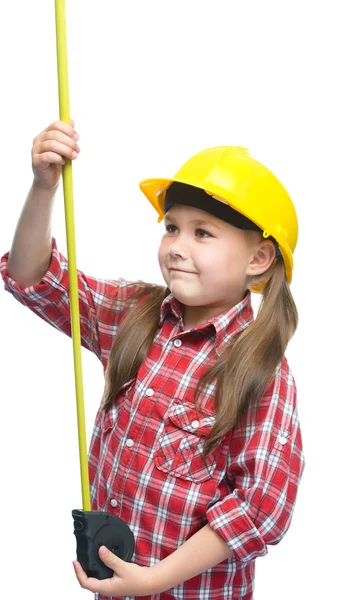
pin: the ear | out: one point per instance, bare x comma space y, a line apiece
262, 259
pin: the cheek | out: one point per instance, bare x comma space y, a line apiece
160, 259
224, 270
162, 252
214, 265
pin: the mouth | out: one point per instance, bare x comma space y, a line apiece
181, 271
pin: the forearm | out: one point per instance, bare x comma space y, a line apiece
30, 252
203, 550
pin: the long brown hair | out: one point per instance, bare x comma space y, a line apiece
242, 372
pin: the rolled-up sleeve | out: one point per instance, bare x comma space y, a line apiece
267, 465
102, 302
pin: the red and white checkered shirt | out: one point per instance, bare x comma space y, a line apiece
145, 459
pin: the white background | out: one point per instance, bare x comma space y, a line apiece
152, 83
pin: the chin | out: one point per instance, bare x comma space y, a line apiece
186, 297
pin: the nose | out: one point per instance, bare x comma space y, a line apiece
178, 249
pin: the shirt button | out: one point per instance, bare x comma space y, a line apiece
114, 503
282, 440
195, 424
178, 343
149, 392
129, 443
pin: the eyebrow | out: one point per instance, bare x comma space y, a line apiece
194, 221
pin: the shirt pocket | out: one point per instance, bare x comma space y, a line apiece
179, 448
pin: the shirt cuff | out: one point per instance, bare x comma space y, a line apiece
51, 286
232, 523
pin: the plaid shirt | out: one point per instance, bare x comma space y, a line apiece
145, 459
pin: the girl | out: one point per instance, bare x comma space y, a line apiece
197, 443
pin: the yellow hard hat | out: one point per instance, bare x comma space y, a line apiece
230, 174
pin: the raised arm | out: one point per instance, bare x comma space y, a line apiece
31, 248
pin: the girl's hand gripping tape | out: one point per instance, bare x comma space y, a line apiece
94, 529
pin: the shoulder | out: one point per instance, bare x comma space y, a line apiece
273, 418
283, 379
279, 403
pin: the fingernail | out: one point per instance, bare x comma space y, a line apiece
103, 551
76, 137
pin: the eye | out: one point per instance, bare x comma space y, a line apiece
202, 233
170, 228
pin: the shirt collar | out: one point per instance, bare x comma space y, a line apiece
170, 305
225, 325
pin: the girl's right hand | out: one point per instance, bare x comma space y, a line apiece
55, 143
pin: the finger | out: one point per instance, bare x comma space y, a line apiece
56, 145
59, 137
42, 161
111, 560
61, 126
57, 148
80, 573
72, 122
102, 586
54, 129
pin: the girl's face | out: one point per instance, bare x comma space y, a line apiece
205, 261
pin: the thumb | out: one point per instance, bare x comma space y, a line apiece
109, 559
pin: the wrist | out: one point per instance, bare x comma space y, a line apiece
41, 194
156, 582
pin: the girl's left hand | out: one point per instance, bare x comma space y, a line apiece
128, 579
